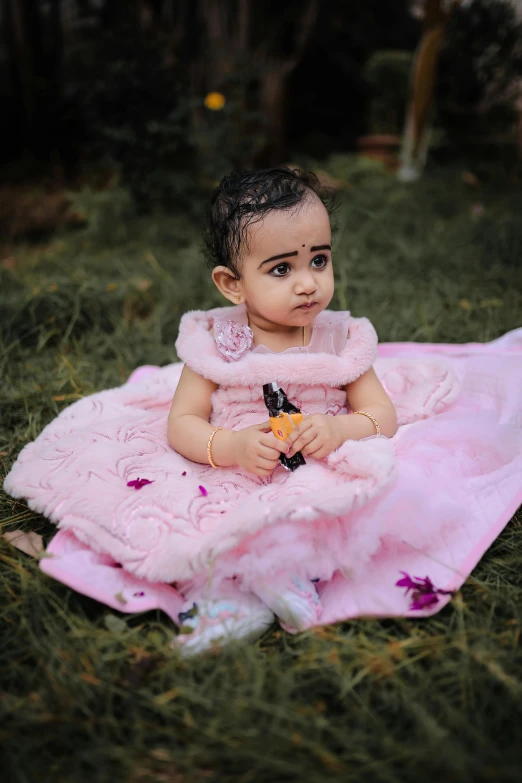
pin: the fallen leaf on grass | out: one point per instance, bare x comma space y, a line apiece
114, 624
161, 754
396, 650
90, 678
164, 698
30, 543
380, 665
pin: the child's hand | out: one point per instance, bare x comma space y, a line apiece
257, 450
317, 436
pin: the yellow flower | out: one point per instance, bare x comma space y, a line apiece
215, 101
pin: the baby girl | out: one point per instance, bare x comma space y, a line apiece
269, 239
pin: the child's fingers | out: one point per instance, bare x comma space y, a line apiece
264, 467
269, 452
317, 451
271, 442
311, 447
301, 442
266, 464
263, 427
305, 425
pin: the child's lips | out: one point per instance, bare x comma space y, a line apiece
307, 306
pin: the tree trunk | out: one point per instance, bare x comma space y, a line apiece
420, 108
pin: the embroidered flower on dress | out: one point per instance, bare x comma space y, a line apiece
232, 340
424, 593
138, 483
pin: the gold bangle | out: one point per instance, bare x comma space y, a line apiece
209, 446
372, 419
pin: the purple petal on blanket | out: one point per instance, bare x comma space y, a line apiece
423, 600
139, 483
203, 491
406, 582
184, 473
425, 585
416, 583
424, 593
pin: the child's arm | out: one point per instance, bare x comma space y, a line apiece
188, 425
254, 448
318, 435
367, 394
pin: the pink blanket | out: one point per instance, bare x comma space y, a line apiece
455, 482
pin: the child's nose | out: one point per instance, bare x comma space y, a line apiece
305, 283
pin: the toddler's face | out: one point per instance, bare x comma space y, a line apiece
287, 275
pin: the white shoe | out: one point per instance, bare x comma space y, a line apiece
207, 623
298, 606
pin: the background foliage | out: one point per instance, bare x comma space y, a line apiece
480, 72
124, 84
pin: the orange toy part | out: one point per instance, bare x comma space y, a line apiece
283, 424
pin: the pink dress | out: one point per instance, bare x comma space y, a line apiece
255, 528
428, 501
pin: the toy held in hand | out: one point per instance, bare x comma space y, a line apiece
284, 417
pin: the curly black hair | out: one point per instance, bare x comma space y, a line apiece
245, 197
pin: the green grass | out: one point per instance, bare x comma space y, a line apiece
85, 698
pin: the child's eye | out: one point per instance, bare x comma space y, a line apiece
319, 262
280, 270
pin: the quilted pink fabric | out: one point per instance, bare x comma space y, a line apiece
429, 501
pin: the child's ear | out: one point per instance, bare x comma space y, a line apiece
228, 284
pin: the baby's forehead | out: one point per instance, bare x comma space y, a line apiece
307, 222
